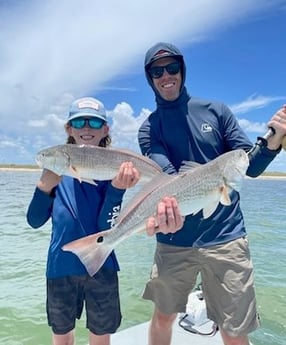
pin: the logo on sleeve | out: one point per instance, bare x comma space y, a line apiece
113, 215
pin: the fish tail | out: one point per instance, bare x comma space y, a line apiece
91, 250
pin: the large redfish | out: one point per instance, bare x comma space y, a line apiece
197, 188
88, 163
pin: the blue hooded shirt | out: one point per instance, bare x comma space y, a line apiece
199, 130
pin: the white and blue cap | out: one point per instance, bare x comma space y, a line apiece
87, 107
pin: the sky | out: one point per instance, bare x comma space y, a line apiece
54, 51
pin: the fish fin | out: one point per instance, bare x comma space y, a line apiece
188, 165
89, 181
91, 251
225, 199
236, 185
208, 211
75, 173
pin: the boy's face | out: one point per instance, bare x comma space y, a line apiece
88, 135
168, 85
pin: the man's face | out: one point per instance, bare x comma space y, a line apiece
168, 85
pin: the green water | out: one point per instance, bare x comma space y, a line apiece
23, 259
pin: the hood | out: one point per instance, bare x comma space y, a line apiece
161, 50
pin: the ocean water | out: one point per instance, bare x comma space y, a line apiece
23, 259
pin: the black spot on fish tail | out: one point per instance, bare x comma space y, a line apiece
100, 239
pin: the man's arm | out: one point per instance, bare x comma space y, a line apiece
151, 146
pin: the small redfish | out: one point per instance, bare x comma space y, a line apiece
88, 163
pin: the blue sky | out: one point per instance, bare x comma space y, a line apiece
55, 51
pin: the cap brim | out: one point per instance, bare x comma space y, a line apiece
158, 57
81, 114
161, 56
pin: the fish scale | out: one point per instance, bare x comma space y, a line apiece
195, 189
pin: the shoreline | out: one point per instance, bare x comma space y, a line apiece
27, 169
268, 177
19, 169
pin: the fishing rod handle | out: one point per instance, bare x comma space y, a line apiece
269, 133
261, 142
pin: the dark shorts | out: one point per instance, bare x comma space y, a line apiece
66, 297
227, 280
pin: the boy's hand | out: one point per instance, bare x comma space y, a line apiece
127, 176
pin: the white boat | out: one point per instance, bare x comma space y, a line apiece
192, 327
138, 335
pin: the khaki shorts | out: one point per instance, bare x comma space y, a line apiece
227, 282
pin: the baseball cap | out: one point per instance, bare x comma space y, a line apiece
162, 54
87, 106
162, 50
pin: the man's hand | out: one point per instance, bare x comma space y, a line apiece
168, 218
278, 122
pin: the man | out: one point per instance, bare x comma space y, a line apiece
187, 128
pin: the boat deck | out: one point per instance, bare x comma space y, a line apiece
138, 335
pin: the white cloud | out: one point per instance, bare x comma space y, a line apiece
252, 127
73, 45
255, 102
252, 103
125, 124
7, 143
54, 51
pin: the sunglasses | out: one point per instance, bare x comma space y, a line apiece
80, 122
172, 68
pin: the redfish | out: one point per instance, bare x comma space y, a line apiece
88, 163
196, 188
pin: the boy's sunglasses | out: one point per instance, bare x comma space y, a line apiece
157, 71
80, 122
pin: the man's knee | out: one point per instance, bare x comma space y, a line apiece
164, 320
230, 340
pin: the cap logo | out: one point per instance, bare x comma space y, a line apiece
88, 104
162, 53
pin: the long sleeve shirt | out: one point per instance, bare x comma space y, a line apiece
194, 129
76, 210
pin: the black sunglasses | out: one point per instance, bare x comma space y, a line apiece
93, 122
157, 71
